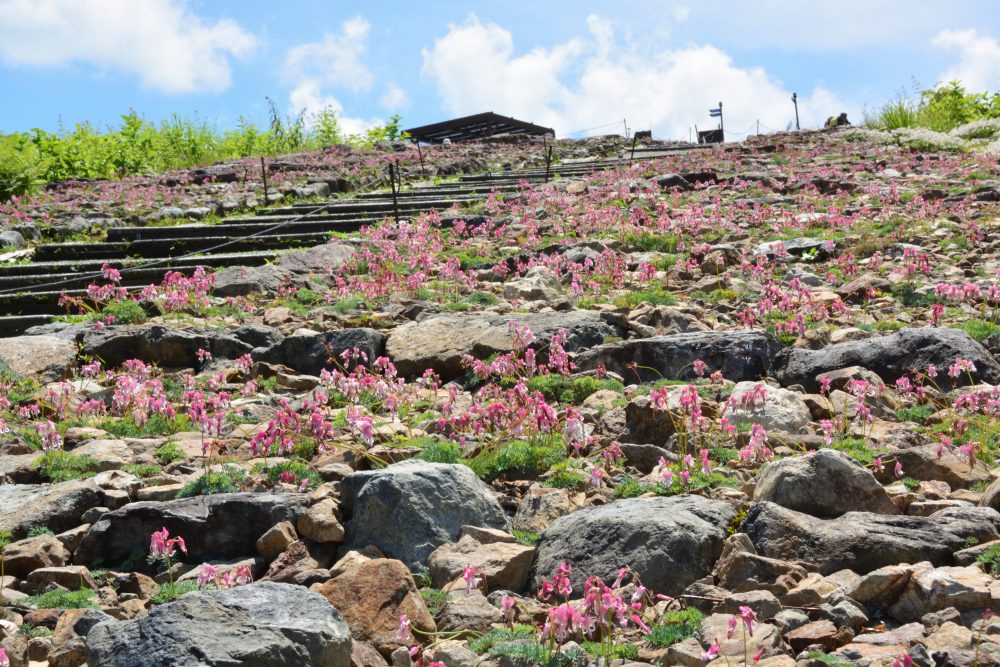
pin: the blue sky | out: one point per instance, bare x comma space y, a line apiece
571, 65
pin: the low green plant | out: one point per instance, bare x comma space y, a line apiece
518, 457
169, 452
556, 387
60, 599
440, 451
519, 632
676, 626
299, 468
630, 487
227, 480
169, 591
915, 413
527, 538
611, 652
566, 478
910, 483
434, 599
830, 660
154, 425
990, 558
125, 311
654, 296
39, 531
60, 466
979, 330
31, 631
142, 469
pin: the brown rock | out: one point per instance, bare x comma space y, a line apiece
136, 583
372, 597
365, 655
70, 577
504, 565
539, 507
291, 562
24, 556
46, 358
321, 522
278, 538
468, 612
818, 632
744, 571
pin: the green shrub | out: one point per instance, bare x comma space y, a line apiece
526, 538
611, 652
125, 311
630, 487
485, 642
676, 626
915, 413
297, 467
155, 424
434, 599
980, 330
19, 166
171, 590
38, 531
654, 296
556, 387
566, 478
142, 469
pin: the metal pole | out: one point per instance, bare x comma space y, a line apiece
420, 152
548, 163
758, 127
795, 101
632, 156
392, 184
722, 123
263, 174
625, 125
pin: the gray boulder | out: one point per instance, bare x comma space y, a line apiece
215, 527
670, 542
261, 625
244, 280
311, 353
318, 260
824, 484
409, 509
47, 358
58, 507
158, 344
740, 355
441, 341
891, 357
863, 541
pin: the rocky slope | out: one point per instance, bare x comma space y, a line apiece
726, 407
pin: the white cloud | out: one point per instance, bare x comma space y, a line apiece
394, 98
308, 98
592, 80
978, 67
170, 48
336, 60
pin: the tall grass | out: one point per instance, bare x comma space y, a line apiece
138, 146
941, 109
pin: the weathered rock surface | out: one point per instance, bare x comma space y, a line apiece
317, 260
669, 541
311, 353
57, 507
166, 346
740, 355
504, 565
441, 341
825, 484
49, 358
891, 357
409, 509
862, 541
264, 624
779, 410
24, 556
244, 280
221, 526
373, 596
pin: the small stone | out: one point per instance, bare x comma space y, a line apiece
276, 539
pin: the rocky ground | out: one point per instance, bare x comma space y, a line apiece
731, 406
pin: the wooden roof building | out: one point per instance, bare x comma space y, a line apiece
476, 126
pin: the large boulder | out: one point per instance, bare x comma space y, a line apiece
264, 624
740, 355
21, 558
311, 353
670, 542
48, 357
824, 484
373, 595
317, 260
411, 508
863, 541
57, 507
216, 527
244, 280
780, 410
923, 463
891, 357
441, 341
166, 346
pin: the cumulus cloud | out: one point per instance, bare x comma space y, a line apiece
394, 98
593, 80
163, 42
336, 61
979, 58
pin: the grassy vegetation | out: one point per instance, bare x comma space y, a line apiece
518, 457
560, 388
59, 599
171, 590
940, 109
60, 466
139, 146
676, 626
227, 480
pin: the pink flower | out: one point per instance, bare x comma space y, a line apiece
711, 654
403, 635
507, 604
759, 654
162, 547
469, 573
4, 660
898, 469
206, 574
749, 617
